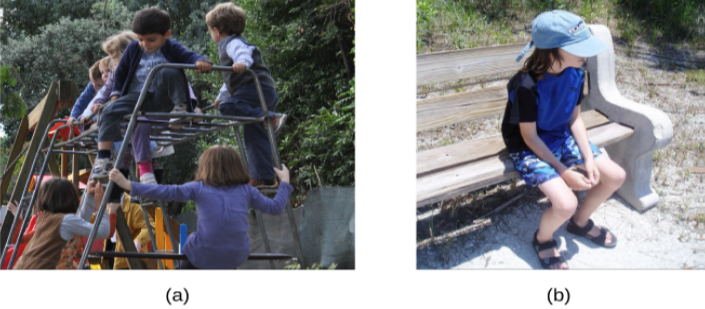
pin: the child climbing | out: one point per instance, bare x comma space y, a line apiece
96, 84
222, 197
238, 95
546, 136
57, 200
168, 92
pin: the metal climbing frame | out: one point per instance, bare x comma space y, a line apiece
164, 137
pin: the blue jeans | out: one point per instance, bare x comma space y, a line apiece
245, 103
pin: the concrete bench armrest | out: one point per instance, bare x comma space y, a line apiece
653, 129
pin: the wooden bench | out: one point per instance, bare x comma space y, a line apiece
629, 132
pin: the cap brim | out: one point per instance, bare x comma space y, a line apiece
587, 48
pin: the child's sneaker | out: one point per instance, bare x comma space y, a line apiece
278, 122
101, 168
149, 179
178, 109
264, 184
163, 151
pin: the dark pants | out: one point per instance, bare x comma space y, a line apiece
245, 102
168, 91
185, 264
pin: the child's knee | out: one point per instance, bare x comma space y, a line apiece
615, 177
565, 206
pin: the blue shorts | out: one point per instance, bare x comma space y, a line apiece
535, 171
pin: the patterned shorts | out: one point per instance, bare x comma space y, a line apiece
536, 171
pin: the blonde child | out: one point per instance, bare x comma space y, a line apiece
222, 197
546, 136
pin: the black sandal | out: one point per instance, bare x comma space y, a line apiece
547, 262
599, 240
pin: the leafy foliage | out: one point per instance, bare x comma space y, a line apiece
325, 145
308, 45
22, 17
62, 50
11, 105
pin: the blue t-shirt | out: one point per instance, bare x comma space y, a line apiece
558, 97
550, 103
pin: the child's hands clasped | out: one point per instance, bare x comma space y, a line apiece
592, 172
120, 180
576, 181
283, 173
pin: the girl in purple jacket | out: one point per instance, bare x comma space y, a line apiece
223, 195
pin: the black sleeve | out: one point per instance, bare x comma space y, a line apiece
584, 88
526, 102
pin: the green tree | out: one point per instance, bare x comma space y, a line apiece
62, 50
22, 17
308, 45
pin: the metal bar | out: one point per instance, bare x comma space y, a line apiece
174, 256
85, 152
12, 164
25, 221
153, 240
258, 215
204, 116
277, 163
126, 239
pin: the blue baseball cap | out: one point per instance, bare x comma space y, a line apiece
561, 29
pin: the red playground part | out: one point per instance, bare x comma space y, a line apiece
22, 246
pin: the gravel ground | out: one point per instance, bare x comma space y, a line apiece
670, 235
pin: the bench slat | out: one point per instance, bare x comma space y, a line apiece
475, 175
453, 65
460, 153
446, 110
459, 107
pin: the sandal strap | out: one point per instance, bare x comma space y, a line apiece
600, 239
581, 231
540, 246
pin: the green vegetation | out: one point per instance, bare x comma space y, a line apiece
447, 25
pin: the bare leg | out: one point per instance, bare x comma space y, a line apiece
611, 178
563, 205
105, 145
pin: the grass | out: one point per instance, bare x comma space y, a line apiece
448, 25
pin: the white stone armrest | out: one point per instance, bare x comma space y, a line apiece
652, 128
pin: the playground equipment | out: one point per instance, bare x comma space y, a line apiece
86, 144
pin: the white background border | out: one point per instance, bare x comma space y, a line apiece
386, 275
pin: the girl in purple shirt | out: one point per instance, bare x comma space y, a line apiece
223, 195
